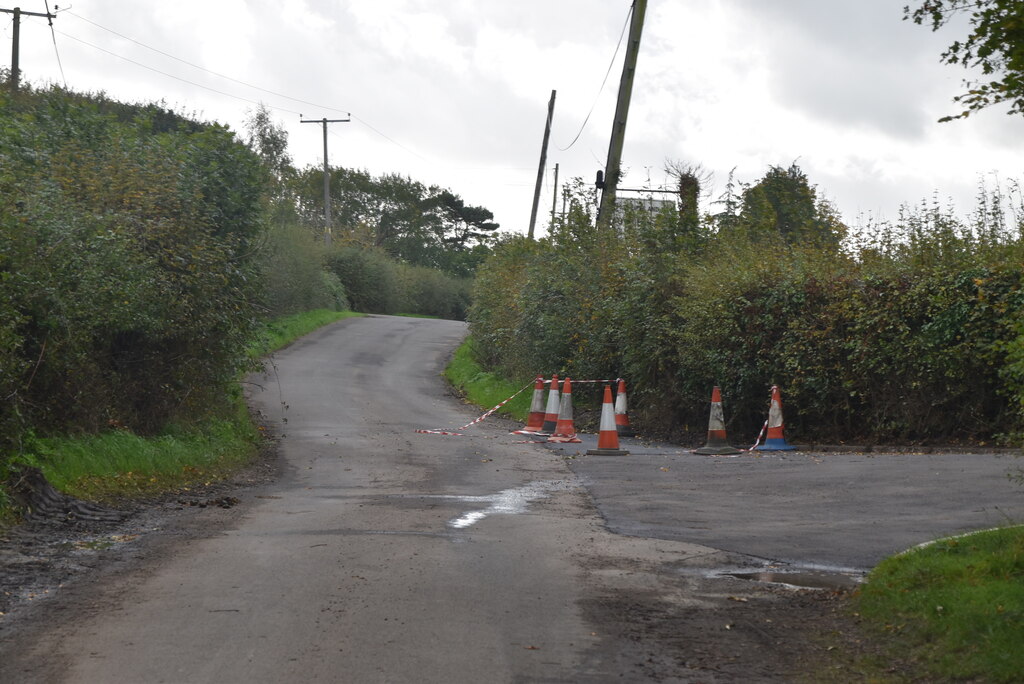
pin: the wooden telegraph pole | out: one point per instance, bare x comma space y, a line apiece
612, 169
554, 198
327, 175
16, 41
543, 161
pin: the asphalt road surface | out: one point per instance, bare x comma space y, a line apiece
833, 511
384, 555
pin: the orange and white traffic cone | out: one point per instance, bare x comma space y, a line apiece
776, 439
621, 412
565, 431
551, 411
718, 444
535, 422
608, 437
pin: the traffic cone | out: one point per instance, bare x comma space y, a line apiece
535, 422
608, 437
717, 442
551, 412
776, 440
565, 431
621, 414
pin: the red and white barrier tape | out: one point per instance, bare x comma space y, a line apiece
458, 431
583, 382
766, 420
759, 436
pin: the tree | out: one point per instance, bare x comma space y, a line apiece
784, 202
995, 44
269, 140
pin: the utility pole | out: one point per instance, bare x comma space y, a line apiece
543, 161
327, 175
554, 198
16, 41
606, 211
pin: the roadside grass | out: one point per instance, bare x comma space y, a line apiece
953, 609
118, 464
483, 388
284, 330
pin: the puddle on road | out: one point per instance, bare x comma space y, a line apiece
507, 502
803, 578
793, 576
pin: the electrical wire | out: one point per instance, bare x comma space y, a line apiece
176, 78
49, 19
605, 81
393, 142
234, 80
201, 68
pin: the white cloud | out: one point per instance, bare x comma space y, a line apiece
848, 89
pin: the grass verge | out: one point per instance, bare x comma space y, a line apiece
953, 609
286, 329
483, 388
118, 464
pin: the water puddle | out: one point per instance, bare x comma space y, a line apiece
507, 502
808, 576
800, 578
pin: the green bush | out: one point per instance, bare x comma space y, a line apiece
376, 283
294, 274
128, 237
369, 277
910, 332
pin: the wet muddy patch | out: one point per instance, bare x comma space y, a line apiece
805, 576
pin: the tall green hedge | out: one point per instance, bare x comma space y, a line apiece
909, 334
128, 271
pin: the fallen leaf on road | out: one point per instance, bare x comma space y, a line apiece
532, 648
738, 598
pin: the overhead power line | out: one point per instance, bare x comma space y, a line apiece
603, 82
225, 77
209, 71
49, 19
176, 78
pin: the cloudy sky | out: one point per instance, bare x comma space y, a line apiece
455, 92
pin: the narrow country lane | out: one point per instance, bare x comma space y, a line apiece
381, 555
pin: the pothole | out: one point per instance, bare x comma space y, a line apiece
802, 579
822, 577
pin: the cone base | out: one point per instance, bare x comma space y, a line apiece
607, 452
565, 439
717, 451
775, 445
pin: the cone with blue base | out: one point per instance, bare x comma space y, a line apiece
608, 437
622, 412
776, 439
718, 443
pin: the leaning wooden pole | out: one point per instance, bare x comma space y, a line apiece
612, 168
543, 161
